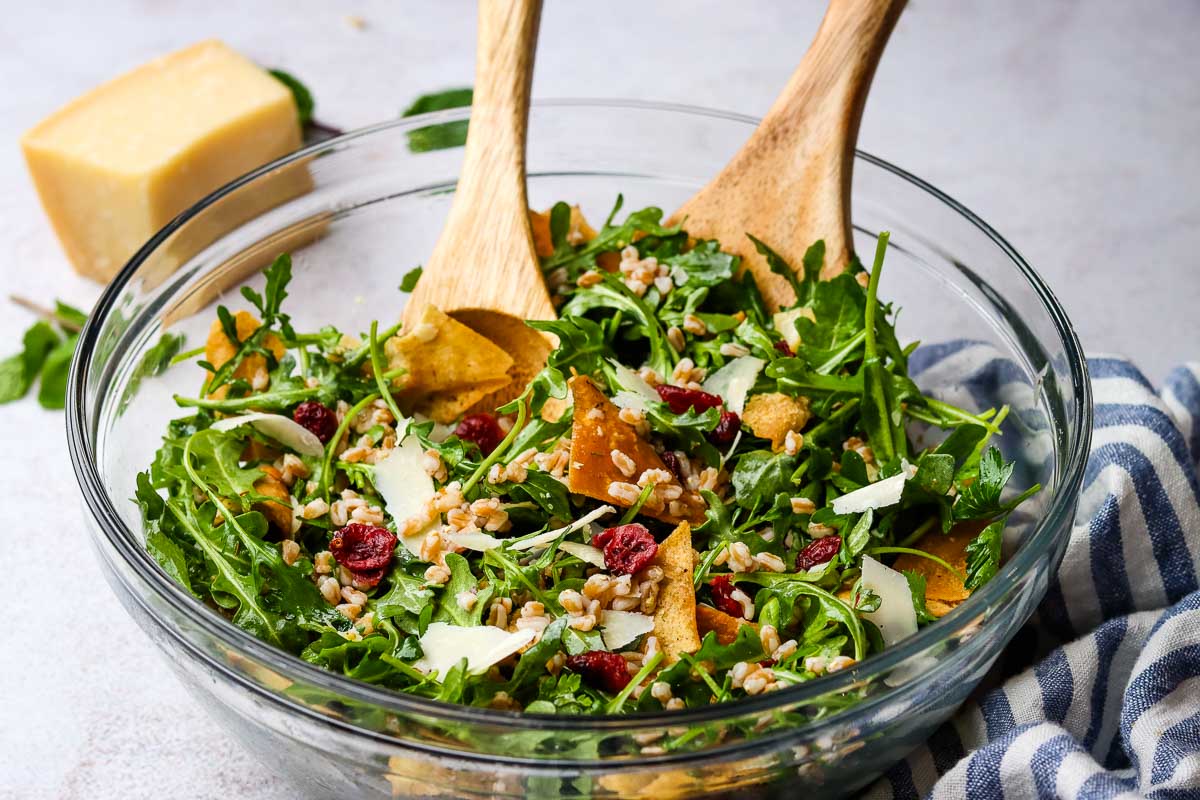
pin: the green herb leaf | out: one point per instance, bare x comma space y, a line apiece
983, 555
300, 93
446, 134
760, 476
409, 281
52, 393
981, 498
18, 372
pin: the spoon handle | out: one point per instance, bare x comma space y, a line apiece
484, 259
508, 32
822, 105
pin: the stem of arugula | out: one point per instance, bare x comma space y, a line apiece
181, 357
913, 552
384, 390
498, 453
327, 464
614, 705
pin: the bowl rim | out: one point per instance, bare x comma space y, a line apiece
124, 540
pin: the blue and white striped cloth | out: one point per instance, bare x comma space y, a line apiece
1112, 708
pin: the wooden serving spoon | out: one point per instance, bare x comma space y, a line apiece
484, 271
789, 185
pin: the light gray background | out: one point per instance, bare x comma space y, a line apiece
1073, 127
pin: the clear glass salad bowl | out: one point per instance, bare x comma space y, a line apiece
357, 212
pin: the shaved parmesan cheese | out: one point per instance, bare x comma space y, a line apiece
896, 617
785, 324
619, 628
405, 487
584, 552
635, 393
880, 494
632, 382
633, 400
734, 381
444, 645
280, 428
543, 540
481, 542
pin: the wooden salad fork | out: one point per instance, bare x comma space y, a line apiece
484, 271
789, 185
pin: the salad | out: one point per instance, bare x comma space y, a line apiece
694, 501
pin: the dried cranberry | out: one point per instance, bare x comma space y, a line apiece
726, 430
680, 400
818, 551
363, 549
482, 429
601, 669
367, 579
627, 548
767, 662
672, 462
317, 418
722, 593
784, 348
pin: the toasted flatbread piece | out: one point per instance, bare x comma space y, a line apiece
672, 785
596, 431
773, 414
219, 349
725, 625
543, 243
675, 617
943, 590
447, 406
449, 367
279, 514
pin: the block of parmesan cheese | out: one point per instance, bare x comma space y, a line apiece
114, 166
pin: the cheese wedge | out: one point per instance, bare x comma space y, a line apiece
114, 166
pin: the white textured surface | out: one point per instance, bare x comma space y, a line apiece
1071, 127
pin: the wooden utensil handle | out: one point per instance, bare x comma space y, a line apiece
836, 72
500, 105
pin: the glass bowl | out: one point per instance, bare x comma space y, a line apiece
357, 212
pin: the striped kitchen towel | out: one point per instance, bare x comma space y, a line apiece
1112, 708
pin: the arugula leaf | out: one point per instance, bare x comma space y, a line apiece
407, 594
461, 580
859, 536
214, 457
962, 441
704, 265
444, 135
760, 476
532, 664
300, 93
646, 222
409, 281
981, 498
611, 294
983, 555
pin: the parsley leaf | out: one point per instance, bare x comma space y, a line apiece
981, 498
983, 555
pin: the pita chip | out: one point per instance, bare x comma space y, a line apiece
597, 430
675, 616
